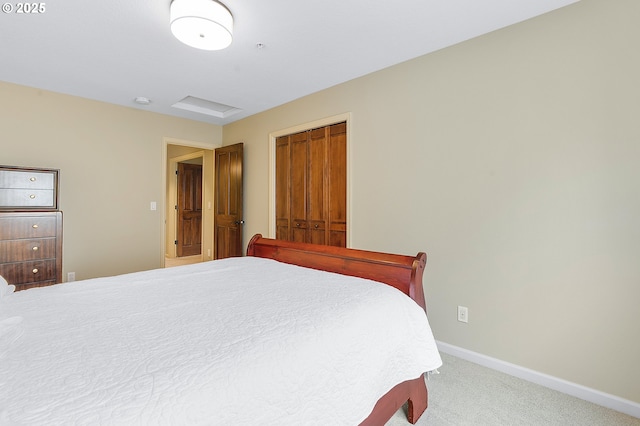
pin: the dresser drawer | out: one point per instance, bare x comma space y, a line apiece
36, 284
28, 188
30, 179
27, 226
21, 250
29, 272
27, 198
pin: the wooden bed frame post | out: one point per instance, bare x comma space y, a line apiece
412, 392
402, 272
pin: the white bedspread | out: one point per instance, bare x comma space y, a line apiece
240, 341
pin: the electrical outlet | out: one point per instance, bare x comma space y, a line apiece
71, 276
463, 314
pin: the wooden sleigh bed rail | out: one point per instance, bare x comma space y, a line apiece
402, 272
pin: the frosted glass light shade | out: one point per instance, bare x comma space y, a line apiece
203, 24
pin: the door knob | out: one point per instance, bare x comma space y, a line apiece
239, 222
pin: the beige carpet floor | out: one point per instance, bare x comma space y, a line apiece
465, 393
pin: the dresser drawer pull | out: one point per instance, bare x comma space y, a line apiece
35, 226
32, 196
35, 270
32, 179
34, 248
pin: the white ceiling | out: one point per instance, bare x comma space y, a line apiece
116, 50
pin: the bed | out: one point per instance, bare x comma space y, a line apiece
289, 334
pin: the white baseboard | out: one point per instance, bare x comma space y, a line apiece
592, 395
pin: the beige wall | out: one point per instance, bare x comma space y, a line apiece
111, 168
513, 160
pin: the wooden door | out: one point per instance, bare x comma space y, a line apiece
228, 201
316, 187
298, 187
337, 185
283, 185
311, 186
189, 241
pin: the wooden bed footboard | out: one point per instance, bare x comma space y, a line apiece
402, 272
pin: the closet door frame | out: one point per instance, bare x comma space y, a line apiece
346, 117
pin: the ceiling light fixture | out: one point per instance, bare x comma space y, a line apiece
203, 24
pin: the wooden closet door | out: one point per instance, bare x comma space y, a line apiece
316, 186
337, 185
298, 190
311, 186
283, 168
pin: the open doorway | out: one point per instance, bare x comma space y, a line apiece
188, 227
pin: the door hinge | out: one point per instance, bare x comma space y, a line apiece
176, 207
175, 242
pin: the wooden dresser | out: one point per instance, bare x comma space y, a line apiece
30, 227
